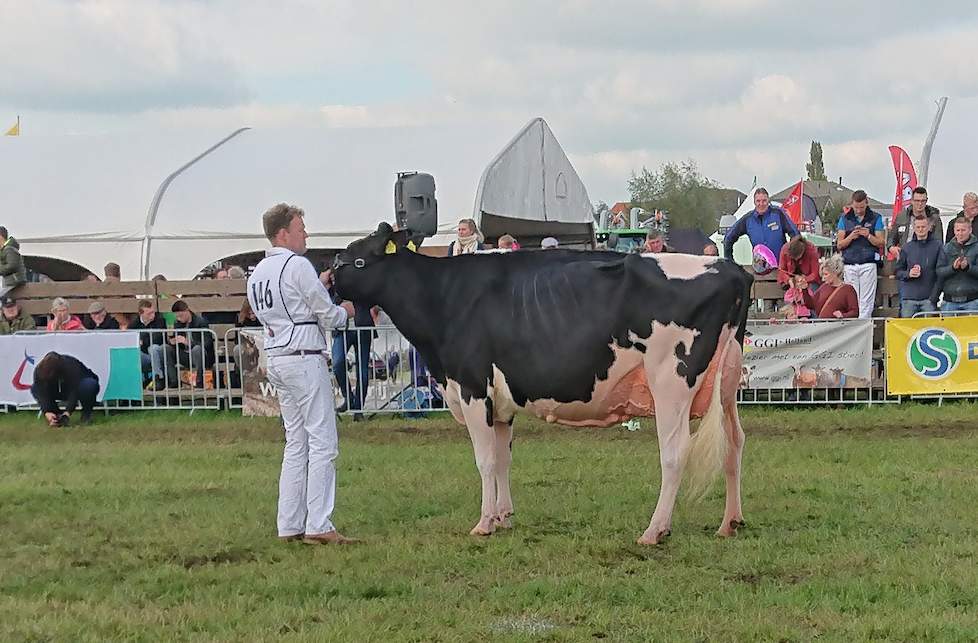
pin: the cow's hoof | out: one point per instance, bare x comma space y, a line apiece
485, 527
729, 528
653, 538
503, 521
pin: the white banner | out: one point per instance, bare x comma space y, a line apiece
817, 354
113, 356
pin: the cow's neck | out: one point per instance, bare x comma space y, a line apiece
412, 297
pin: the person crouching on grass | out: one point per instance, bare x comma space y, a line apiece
63, 377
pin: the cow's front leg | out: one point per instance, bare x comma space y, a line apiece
484, 444
504, 457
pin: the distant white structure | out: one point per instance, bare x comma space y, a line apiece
173, 202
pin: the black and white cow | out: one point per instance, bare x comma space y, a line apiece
578, 338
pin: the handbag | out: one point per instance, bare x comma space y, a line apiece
829, 300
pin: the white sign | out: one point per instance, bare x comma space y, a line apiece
20, 353
816, 354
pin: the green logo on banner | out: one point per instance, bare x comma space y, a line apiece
934, 353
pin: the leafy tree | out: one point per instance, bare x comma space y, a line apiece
691, 199
816, 169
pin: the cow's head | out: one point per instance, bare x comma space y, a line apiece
356, 268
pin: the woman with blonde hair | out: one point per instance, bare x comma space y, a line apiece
834, 298
469, 239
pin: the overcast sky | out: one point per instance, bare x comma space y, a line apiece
741, 86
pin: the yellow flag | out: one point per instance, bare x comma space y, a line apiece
15, 130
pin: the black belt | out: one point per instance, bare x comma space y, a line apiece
294, 353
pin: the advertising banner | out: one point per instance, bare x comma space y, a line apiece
259, 396
818, 354
114, 357
932, 355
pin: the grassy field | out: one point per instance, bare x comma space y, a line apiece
862, 524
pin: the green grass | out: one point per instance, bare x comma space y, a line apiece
861, 525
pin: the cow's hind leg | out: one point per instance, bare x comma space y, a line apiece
484, 444
733, 365
672, 426
733, 516
504, 457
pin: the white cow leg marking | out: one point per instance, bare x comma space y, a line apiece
672, 406
504, 457
484, 444
733, 516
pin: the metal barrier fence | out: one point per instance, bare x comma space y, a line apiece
174, 377
374, 369
394, 378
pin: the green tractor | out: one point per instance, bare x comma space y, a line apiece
625, 232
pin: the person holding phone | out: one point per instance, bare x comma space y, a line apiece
861, 237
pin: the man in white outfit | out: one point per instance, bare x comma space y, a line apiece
861, 238
298, 315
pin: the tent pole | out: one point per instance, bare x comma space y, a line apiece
154, 206
924, 163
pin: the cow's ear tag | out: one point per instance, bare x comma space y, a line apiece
410, 246
390, 248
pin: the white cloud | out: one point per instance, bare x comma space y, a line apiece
742, 86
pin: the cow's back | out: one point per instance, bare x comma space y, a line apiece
557, 323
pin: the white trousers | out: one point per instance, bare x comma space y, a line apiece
307, 486
862, 277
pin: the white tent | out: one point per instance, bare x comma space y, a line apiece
173, 203
83, 199
531, 190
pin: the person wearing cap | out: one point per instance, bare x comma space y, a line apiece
99, 319
14, 318
549, 243
61, 318
63, 377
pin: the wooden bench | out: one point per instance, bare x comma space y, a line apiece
120, 298
203, 295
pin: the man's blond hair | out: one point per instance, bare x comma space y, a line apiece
969, 197
279, 217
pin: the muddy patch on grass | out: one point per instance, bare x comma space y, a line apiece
224, 557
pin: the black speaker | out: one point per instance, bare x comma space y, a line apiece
415, 205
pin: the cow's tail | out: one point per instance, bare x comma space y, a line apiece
708, 446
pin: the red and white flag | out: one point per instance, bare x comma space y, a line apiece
792, 204
906, 180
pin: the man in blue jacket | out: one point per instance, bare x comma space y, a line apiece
764, 225
861, 238
917, 270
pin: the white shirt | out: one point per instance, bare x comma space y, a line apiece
292, 304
